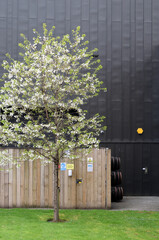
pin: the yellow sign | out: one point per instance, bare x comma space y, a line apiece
140, 131
70, 166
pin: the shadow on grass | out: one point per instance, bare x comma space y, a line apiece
52, 220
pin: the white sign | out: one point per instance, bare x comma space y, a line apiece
89, 160
90, 167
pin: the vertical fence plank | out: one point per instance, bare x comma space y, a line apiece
30, 183
14, 173
22, 184
79, 185
73, 188
69, 191
18, 182
34, 183
42, 186
103, 159
99, 180
46, 184
50, 202
59, 180
2, 187
92, 203
52, 184
84, 182
38, 182
14, 192
95, 171
65, 200
6, 188
61, 197
10, 183
26, 183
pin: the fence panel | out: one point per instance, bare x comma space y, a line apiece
31, 185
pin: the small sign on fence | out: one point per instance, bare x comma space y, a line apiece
70, 166
90, 167
89, 160
63, 166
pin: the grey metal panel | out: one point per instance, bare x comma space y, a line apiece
3, 8
126, 31
137, 169
148, 120
146, 163
9, 34
50, 22
116, 61
85, 28
14, 8
3, 43
93, 24
102, 10
32, 25
139, 96
109, 68
75, 13
60, 17
116, 120
147, 41
154, 164
68, 26
41, 14
3, 36
93, 38
68, 9
10, 8
50, 9
85, 10
23, 9
22, 27
116, 86
155, 104
139, 30
33, 8
155, 27
126, 35
102, 41
148, 10
116, 10
126, 114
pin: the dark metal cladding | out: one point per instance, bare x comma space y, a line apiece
126, 32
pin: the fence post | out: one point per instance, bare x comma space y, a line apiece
108, 179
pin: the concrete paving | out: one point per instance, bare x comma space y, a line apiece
137, 203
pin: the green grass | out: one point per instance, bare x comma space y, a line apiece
29, 224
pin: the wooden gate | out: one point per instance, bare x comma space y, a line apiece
31, 185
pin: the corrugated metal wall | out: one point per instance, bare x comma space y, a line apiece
126, 33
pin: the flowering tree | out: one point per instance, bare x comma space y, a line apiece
42, 100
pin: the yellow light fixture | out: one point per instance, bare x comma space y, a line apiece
140, 131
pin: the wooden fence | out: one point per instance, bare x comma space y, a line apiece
31, 185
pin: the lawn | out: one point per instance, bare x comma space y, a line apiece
30, 224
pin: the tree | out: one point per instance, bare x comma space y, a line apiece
43, 98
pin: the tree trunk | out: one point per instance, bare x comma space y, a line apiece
56, 193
